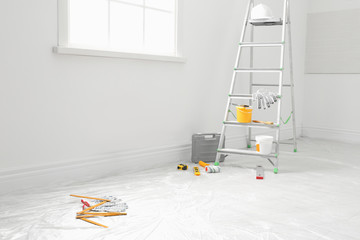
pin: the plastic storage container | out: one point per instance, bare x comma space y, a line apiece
204, 146
244, 114
264, 144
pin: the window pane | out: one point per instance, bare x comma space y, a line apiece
88, 22
168, 5
159, 32
126, 27
139, 2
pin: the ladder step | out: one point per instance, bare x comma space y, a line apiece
253, 140
270, 44
258, 70
241, 96
255, 125
270, 22
269, 85
246, 152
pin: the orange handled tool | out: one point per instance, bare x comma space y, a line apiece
203, 164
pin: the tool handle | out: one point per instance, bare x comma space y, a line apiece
95, 214
203, 164
89, 221
106, 213
88, 209
90, 198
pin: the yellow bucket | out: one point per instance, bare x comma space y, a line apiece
244, 114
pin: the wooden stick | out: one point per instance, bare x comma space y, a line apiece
87, 216
258, 121
91, 216
87, 220
105, 213
90, 198
88, 209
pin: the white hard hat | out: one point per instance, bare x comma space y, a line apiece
261, 11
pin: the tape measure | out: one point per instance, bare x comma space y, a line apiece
182, 167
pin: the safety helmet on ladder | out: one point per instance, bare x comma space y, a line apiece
261, 11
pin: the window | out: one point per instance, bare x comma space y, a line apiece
127, 26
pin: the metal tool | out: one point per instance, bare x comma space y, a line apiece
286, 28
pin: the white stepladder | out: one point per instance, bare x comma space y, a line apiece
286, 28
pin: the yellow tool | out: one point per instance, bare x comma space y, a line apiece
203, 164
182, 167
196, 171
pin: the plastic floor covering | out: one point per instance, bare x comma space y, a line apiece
316, 195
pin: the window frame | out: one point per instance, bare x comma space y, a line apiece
63, 46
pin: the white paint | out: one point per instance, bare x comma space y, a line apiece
331, 105
56, 108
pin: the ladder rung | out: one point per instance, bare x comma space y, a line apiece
271, 22
270, 44
255, 125
253, 140
258, 70
269, 85
246, 152
241, 96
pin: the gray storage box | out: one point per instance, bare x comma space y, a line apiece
204, 146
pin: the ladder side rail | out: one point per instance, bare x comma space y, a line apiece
281, 75
237, 61
292, 78
251, 75
243, 32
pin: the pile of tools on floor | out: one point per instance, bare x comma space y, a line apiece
102, 207
208, 168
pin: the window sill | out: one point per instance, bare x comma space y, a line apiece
114, 54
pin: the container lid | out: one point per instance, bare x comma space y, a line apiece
264, 138
244, 107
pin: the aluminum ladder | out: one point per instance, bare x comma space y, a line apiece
286, 28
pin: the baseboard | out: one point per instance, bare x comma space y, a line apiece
342, 135
90, 168
97, 167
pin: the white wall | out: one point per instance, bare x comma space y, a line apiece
64, 112
316, 6
330, 106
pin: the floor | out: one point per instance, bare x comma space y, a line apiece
316, 195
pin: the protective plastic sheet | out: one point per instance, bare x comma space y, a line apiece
315, 196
